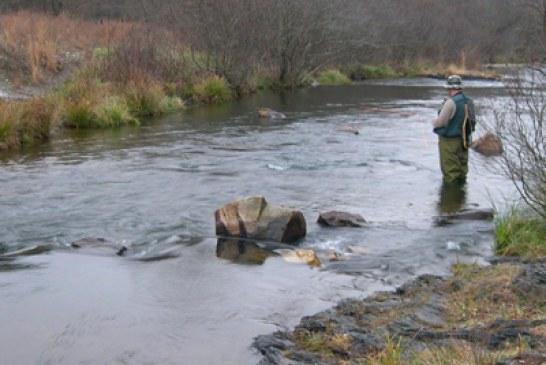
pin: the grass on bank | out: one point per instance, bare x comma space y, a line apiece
23, 122
126, 72
332, 77
520, 233
120, 72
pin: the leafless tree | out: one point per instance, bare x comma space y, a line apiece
533, 31
292, 38
520, 126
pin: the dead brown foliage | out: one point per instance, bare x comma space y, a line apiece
33, 45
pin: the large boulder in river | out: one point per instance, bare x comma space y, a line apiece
336, 218
254, 218
487, 145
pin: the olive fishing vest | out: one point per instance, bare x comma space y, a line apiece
455, 125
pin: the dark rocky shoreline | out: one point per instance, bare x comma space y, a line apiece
416, 317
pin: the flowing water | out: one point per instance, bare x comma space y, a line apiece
156, 188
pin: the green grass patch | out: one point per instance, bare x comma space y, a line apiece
378, 72
150, 100
113, 112
520, 233
213, 89
332, 77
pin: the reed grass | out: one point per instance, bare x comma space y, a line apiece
213, 89
23, 123
146, 100
332, 77
123, 74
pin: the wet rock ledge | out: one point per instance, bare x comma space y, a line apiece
496, 313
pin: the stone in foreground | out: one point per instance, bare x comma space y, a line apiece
254, 218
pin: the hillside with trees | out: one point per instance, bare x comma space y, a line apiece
288, 39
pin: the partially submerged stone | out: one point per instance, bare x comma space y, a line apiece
269, 113
357, 250
349, 129
300, 256
97, 243
254, 218
465, 214
336, 218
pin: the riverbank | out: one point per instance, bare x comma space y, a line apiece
481, 315
119, 73
65, 72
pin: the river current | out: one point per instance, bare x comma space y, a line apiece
155, 188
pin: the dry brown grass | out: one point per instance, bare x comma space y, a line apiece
488, 296
36, 43
23, 122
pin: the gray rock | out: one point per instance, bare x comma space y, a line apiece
336, 218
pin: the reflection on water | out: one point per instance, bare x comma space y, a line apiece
452, 197
242, 252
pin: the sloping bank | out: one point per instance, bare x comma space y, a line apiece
481, 315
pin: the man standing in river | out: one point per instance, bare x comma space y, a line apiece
454, 125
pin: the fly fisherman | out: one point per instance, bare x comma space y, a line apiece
454, 125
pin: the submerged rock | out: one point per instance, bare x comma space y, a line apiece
308, 257
336, 218
465, 214
269, 113
254, 218
350, 129
99, 244
103, 247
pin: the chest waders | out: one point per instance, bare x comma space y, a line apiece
454, 141
466, 130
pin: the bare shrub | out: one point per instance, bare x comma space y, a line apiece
520, 126
146, 54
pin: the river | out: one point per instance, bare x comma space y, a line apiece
156, 187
